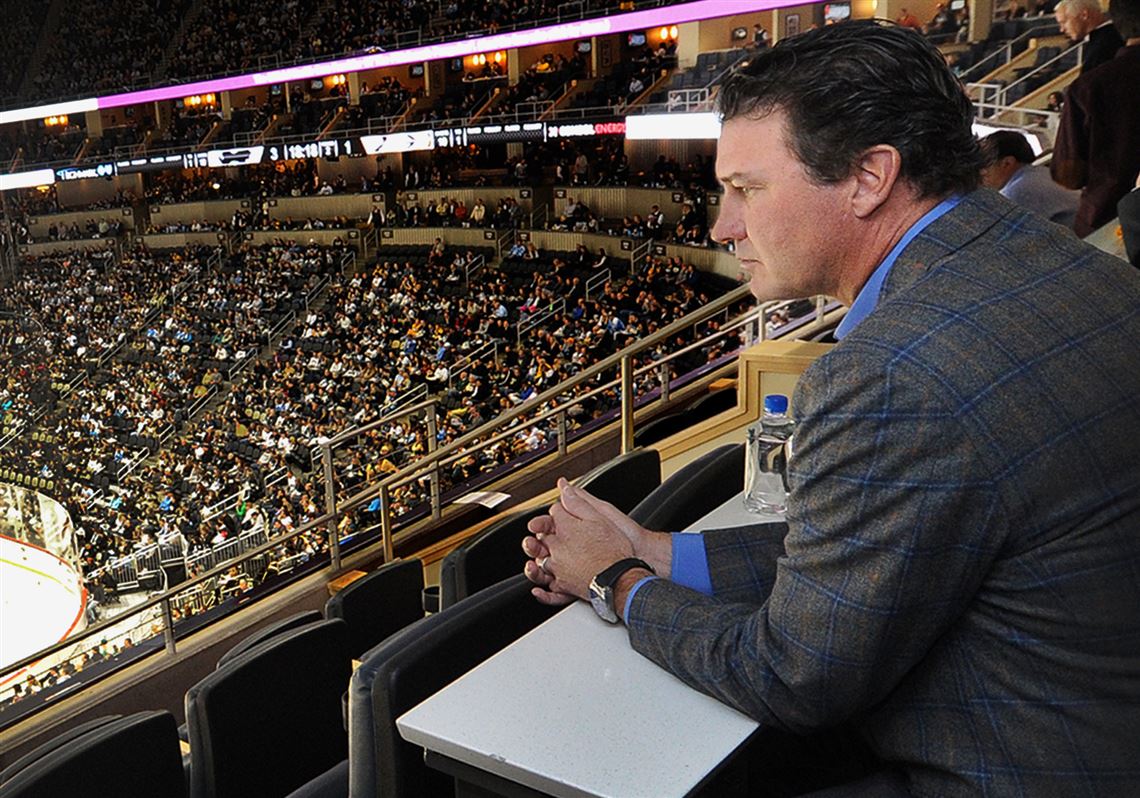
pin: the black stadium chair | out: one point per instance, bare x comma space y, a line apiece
270, 720
412, 665
379, 604
693, 491
624, 480
132, 757
260, 636
59, 741
266, 632
486, 559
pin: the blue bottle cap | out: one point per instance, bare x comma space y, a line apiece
775, 403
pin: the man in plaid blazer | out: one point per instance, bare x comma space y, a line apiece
959, 575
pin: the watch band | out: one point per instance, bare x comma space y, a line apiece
609, 576
602, 587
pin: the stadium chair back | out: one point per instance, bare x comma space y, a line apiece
59, 741
379, 604
626, 479
486, 559
270, 719
132, 757
412, 665
694, 491
267, 632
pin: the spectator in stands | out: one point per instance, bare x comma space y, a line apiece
760, 37
909, 20
944, 24
1098, 143
655, 223
924, 506
1011, 172
1084, 22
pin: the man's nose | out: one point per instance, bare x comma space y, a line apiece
727, 227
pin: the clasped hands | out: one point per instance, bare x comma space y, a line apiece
581, 536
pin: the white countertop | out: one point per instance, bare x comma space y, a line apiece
572, 710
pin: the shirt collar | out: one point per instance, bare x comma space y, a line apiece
868, 296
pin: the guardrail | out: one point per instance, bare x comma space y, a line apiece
1004, 54
489, 349
654, 380
554, 309
996, 94
597, 281
474, 267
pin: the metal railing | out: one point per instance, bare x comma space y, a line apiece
1004, 54
688, 100
488, 350
555, 309
996, 94
597, 282
474, 267
382, 492
640, 255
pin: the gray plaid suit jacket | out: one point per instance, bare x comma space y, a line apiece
960, 579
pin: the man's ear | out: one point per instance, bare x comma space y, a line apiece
876, 173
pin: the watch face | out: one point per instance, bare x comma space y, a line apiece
601, 599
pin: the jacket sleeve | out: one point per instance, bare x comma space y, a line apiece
892, 526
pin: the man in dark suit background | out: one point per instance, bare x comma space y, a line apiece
957, 577
1098, 142
1084, 21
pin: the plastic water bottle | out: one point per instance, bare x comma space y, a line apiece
766, 466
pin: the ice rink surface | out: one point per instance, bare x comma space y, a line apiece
41, 600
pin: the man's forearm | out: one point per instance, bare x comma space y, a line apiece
656, 548
625, 584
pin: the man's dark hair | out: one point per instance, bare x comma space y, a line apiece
1125, 17
1001, 143
851, 86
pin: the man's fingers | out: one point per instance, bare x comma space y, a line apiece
573, 501
552, 598
602, 507
537, 575
534, 548
541, 525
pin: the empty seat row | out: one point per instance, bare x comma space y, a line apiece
269, 721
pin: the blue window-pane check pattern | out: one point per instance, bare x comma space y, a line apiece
960, 575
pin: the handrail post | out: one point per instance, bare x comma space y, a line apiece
386, 524
663, 377
562, 431
433, 444
330, 502
168, 627
626, 403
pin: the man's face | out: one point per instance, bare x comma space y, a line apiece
1074, 25
787, 230
997, 174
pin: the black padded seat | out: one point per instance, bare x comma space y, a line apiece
693, 491
486, 559
379, 604
333, 783
62, 739
132, 757
266, 632
412, 665
270, 719
625, 480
